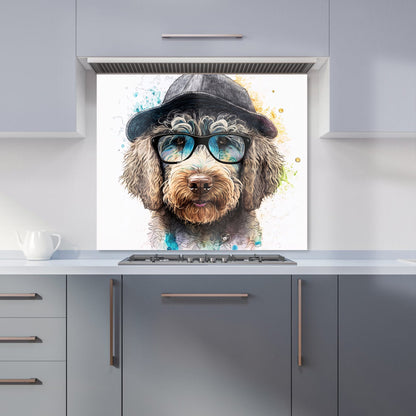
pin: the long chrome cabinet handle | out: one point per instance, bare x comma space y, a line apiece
201, 35
112, 358
204, 295
19, 339
299, 322
9, 296
20, 381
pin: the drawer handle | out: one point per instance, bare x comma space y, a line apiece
200, 36
299, 322
19, 339
25, 381
19, 296
205, 295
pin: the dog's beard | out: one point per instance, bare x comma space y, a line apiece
208, 207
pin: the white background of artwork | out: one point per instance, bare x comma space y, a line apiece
122, 221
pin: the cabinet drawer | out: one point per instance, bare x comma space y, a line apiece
43, 339
32, 296
45, 397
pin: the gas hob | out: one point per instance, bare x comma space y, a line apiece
148, 259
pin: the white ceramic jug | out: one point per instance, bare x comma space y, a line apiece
38, 245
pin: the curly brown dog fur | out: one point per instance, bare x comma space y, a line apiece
227, 219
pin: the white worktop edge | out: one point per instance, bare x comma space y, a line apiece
111, 267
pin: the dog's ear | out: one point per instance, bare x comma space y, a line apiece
142, 174
262, 170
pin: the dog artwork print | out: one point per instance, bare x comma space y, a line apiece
201, 167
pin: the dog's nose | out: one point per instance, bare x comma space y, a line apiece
199, 183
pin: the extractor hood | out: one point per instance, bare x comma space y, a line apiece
223, 65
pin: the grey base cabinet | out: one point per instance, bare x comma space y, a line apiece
377, 345
93, 383
32, 345
235, 345
314, 381
202, 355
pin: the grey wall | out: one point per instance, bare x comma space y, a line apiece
362, 193
50, 184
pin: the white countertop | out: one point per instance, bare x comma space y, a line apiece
304, 267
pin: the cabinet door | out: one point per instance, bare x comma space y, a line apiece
314, 382
377, 344
206, 356
94, 385
269, 27
38, 74
373, 66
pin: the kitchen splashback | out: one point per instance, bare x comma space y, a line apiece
201, 161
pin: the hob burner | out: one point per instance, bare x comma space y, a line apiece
205, 258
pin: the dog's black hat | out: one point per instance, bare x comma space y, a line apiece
212, 93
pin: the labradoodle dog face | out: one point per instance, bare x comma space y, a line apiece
201, 189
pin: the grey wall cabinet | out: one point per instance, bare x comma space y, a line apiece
40, 73
93, 384
208, 356
269, 27
377, 344
314, 382
372, 68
